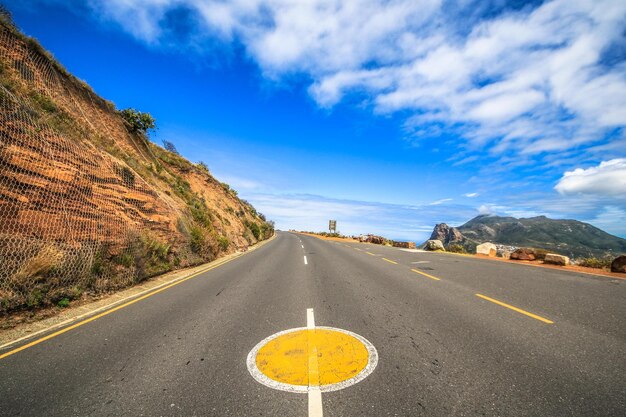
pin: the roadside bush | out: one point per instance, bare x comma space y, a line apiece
593, 262
153, 257
540, 254
223, 243
456, 248
254, 229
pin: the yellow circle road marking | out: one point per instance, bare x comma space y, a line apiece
324, 357
340, 357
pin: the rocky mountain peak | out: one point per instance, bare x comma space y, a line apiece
446, 234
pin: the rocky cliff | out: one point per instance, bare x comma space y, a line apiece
86, 203
447, 234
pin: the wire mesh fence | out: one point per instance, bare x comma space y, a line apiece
73, 217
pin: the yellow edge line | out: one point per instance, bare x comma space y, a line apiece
370, 253
519, 310
390, 261
426, 275
112, 310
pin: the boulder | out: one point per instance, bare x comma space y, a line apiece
619, 264
553, 258
523, 254
406, 245
487, 249
504, 254
434, 245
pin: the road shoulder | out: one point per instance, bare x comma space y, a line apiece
28, 330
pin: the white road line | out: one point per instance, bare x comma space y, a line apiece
305, 261
310, 319
315, 402
315, 394
302, 246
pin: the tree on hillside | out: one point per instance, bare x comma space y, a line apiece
6, 16
137, 121
170, 147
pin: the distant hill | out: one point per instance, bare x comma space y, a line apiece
568, 237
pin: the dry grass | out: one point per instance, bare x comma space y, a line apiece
47, 258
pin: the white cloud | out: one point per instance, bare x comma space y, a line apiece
612, 219
438, 202
485, 209
471, 195
606, 179
528, 81
312, 212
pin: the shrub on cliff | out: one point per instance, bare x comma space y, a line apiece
170, 147
138, 122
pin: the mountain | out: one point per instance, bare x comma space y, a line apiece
568, 237
87, 202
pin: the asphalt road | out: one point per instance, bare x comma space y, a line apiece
443, 350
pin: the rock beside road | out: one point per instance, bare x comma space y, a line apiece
554, 259
487, 249
406, 245
524, 254
434, 245
619, 264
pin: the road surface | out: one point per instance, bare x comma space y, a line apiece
454, 335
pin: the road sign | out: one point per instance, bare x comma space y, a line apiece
332, 225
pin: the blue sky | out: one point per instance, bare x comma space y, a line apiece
389, 116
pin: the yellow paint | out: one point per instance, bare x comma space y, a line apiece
312, 357
114, 309
370, 253
426, 275
519, 310
390, 261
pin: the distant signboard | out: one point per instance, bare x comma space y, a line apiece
332, 225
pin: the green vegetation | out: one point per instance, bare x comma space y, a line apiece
456, 248
170, 147
127, 175
44, 102
138, 122
593, 262
203, 167
540, 254
254, 229
223, 243
6, 16
197, 242
64, 302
